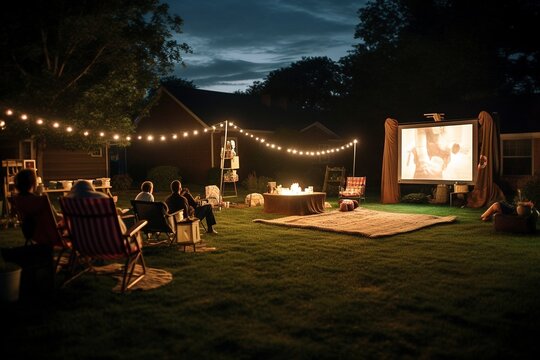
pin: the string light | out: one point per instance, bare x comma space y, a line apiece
54, 124
185, 134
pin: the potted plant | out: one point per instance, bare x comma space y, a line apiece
10, 281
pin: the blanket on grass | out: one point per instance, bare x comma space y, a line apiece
369, 223
153, 279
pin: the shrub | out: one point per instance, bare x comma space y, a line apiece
256, 184
121, 182
162, 176
250, 183
531, 190
415, 198
262, 183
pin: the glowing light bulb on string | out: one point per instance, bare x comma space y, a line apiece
101, 134
86, 133
24, 117
56, 125
69, 129
9, 112
39, 121
116, 137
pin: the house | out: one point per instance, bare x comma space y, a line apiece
54, 162
520, 139
184, 128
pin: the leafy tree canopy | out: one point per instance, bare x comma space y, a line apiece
175, 82
89, 62
430, 51
311, 83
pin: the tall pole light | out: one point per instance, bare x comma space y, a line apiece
223, 161
354, 158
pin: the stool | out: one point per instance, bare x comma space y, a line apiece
188, 233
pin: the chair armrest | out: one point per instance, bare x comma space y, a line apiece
135, 228
174, 213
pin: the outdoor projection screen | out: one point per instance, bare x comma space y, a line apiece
442, 152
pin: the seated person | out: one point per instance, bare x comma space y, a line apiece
181, 199
26, 184
85, 189
147, 188
523, 208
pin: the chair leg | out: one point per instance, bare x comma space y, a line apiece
131, 263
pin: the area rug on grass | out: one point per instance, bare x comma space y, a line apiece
153, 279
370, 223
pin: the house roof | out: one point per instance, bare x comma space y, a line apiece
320, 127
247, 111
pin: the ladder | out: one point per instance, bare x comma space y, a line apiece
333, 179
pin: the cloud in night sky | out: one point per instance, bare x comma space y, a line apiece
236, 42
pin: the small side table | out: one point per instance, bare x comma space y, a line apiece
455, 194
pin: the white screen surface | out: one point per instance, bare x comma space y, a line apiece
437, 153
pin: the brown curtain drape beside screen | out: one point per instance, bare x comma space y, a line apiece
486, 191
389, 180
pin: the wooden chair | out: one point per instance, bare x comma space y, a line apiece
355, 188
95, 233
39, 225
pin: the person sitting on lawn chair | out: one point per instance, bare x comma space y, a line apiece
181, 199
146, 192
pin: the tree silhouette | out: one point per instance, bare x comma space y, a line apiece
87, 62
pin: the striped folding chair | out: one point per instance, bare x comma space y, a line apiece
96, 234
39, 225
354, 189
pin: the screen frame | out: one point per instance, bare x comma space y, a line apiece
473, 122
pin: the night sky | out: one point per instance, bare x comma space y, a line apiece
236, 42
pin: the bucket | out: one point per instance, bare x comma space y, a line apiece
441, 194
10, 282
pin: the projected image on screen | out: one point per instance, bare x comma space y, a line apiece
437, 153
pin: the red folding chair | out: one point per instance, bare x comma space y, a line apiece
96, 234
39, 225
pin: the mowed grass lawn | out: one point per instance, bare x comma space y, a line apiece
457, 290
